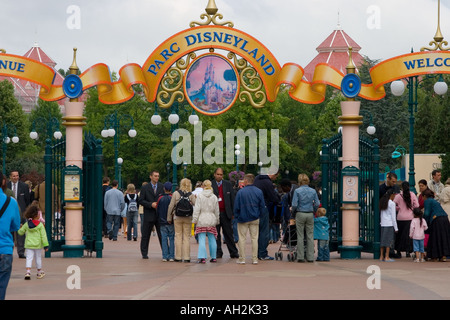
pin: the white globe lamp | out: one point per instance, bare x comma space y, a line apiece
397, 88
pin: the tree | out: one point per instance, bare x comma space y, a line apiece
390, 118
46, 116
12, 116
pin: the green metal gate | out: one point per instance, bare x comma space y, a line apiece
369, 218
55, 213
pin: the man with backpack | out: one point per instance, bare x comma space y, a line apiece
131, 199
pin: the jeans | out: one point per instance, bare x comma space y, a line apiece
113, 225
418, 245
132, 221
202, 254
263, 238
323, 250
235, 230
274, 232
168, 241
5, 273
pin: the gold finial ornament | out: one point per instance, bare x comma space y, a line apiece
211, 8
73, 69
211, 16
438, 42
2, 50
350, 67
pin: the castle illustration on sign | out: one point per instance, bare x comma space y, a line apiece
211, 84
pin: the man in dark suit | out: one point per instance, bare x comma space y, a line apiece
148, 199
22, 195
225, 195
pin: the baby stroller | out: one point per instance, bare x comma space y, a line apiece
289, 239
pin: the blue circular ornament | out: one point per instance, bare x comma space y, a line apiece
351, 85
72, 86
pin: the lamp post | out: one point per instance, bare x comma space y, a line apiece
174, 120
51, 126
440, 88
168, 170
119, 167
112, 129
6, 130
237, 152
397, 89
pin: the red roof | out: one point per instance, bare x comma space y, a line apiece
334, 51
26, 92
37, 54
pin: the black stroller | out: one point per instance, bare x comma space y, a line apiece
289, 238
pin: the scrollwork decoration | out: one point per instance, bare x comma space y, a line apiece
171, 88
211, 19
252, 85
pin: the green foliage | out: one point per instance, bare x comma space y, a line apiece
16, 122
302, 128
45, 119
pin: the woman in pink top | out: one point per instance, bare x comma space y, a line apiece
405, 203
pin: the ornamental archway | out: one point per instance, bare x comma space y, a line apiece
252, 73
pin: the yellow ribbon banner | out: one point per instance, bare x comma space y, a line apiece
210, 37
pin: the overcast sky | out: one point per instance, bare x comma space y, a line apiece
119, 32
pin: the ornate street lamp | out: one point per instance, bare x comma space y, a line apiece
174, 120
6, 130
113, 124
51, 126
237, 152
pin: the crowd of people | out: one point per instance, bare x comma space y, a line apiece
221, 212
218, 212
417, 225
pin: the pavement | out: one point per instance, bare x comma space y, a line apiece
121, 274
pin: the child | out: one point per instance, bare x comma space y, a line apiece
35, 240
321, 233
388, 222
417, 233
167, 229
41, 218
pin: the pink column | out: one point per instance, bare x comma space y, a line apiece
74, 122
350, 122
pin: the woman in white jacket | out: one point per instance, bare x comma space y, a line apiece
206, 217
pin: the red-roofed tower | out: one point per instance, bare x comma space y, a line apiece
26, 92
334, 51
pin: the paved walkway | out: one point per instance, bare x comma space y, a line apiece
123, 275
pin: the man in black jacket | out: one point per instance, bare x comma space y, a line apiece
225, 195
271, 198
148, 199
22, 195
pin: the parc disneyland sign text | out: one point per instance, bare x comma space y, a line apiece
151, 73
